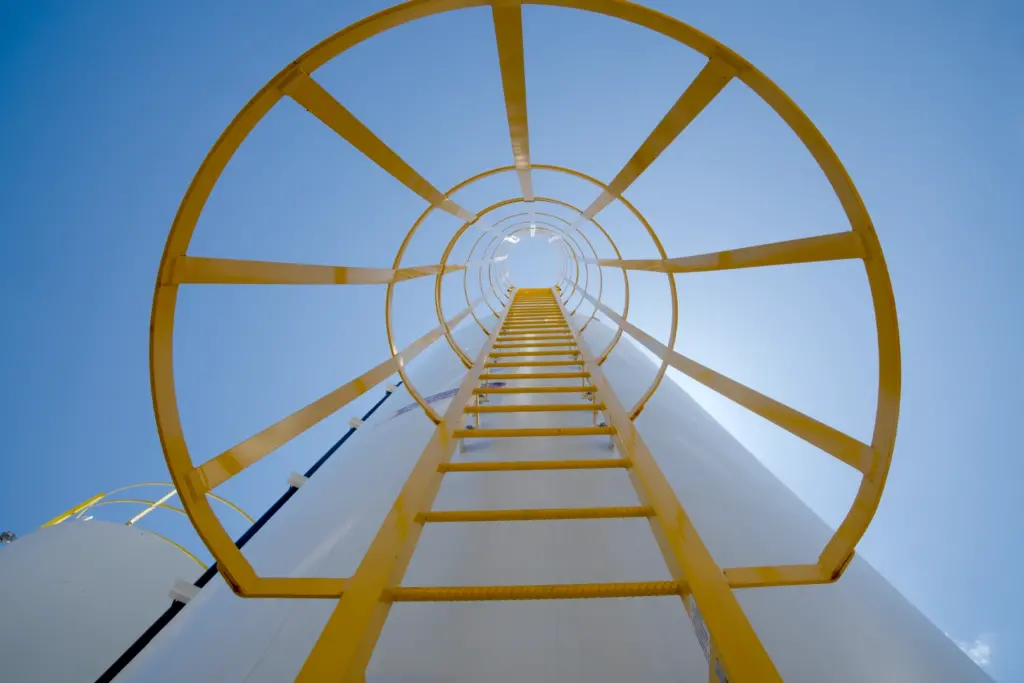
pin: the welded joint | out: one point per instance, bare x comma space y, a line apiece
611, 437
838, 572
183, 591
296, 480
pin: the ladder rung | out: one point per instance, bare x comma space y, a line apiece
529, 465
529, 345
535, 390
533, 431
534, 318
538, 408
508, 354
551, 592
535, 515
533, 364
534, 323
502, 338
537, 375
561, 327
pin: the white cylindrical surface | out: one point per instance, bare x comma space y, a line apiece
859, 630
76, 595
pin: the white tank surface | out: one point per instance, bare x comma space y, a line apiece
77, 594
858, 630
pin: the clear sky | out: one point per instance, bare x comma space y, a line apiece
109, 107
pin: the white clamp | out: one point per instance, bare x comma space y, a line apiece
390, 388
296, 480
183, 591
355, 423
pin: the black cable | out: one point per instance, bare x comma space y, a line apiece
176, 606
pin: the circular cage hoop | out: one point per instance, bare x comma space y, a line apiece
102, 499
743, 656
388, 318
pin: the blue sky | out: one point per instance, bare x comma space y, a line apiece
110, 107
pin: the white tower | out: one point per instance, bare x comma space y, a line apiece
78, 594
812, 633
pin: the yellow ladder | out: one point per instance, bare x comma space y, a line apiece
535, 319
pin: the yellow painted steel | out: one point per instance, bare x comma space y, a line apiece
218, 271
858, 455
548, 329
444, 260
534, 364
709, 82
834, 247
83, 507
549, 322
538, 375
546, 312
530, 465
298, 85
101, 499
438, 306
216, 471
75, 510
571, 250
533, 319
465, 359
639, 589
536, 515
182, 549
530, 354
344, 647
688, 559
533, 390
346, 643
532, 431
562, 340
508, 32
134, 501
531, 345
537, 408
535, 327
